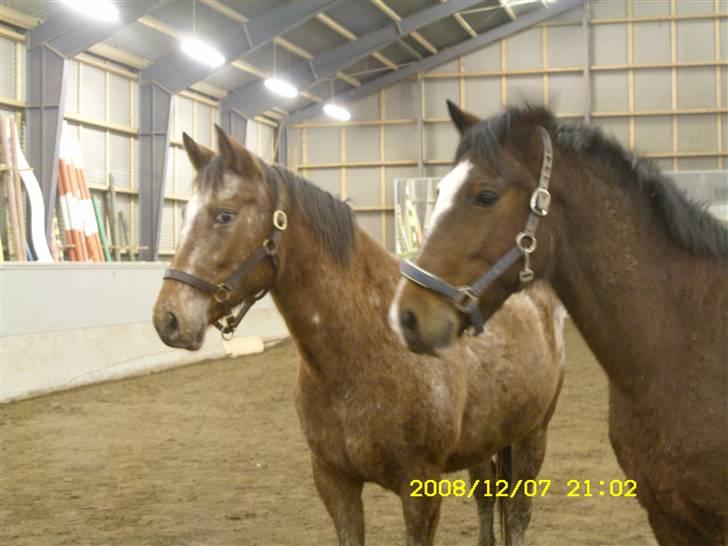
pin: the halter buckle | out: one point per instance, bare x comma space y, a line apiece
465, 299
222, 294
280, 220
540, 201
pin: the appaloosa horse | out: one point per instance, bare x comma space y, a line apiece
642, 271
370, 410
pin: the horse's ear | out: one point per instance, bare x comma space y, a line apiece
199, 155
236, 157
463, 120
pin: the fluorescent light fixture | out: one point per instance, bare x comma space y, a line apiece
337, 112
103, 10
202, 52
280, 87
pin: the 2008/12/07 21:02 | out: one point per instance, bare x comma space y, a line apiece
530, 488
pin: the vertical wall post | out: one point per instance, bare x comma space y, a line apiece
282, 151
46, 98
420, 106
234, 124
155, 114
587, 62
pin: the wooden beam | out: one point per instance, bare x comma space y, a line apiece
230, 13
466, 26
341, 30
508, 9
394, 16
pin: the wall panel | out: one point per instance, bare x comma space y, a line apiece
362, 187
400, 141
362, 144
400, 100
695, 40
564, 46
652, 43
324, 145
436, 93
483, 95
609, 91
653, 89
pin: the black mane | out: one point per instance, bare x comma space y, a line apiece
687, 222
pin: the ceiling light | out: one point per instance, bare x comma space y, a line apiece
337, 112
280, 87
202, 52
103, 10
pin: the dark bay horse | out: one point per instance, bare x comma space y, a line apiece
642, 271
370, 410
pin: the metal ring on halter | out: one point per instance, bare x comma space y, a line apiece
222, 294
280, 220
522, 246
227, 333
537, 196
270, 247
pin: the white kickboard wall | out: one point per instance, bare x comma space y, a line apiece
68, 324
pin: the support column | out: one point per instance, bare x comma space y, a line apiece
46, 99
282, 155
155, 114
234, 124
587, 62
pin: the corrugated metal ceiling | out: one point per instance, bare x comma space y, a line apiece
360, 17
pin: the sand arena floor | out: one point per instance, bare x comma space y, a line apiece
212, 454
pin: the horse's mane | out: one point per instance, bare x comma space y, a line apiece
687, 222
330, 219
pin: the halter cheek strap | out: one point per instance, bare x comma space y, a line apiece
465, 298
222, 291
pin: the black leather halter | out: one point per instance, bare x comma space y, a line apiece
222, 291
465, 298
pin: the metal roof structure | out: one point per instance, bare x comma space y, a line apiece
299, 34
345, 48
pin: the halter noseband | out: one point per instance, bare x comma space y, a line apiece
221, 292
465, 298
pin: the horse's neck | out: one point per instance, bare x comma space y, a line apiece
335, 312
637, 297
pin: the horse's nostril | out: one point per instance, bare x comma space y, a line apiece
170, 322
408, 320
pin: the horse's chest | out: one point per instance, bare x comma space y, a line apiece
366, 432
667, 468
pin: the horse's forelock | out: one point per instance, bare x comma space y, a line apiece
211, 177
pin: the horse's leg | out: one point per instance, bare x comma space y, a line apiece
421, 514
481, 473
527, 458
342, 497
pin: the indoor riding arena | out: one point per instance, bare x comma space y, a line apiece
347, 272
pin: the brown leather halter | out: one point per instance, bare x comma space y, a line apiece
465, 298
222, 291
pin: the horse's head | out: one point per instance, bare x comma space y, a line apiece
482, 206
225, 223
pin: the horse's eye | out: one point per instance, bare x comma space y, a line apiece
224, 217
485, 198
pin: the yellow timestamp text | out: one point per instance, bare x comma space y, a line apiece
529, 488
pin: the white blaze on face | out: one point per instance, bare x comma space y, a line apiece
448, 188
193, 207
